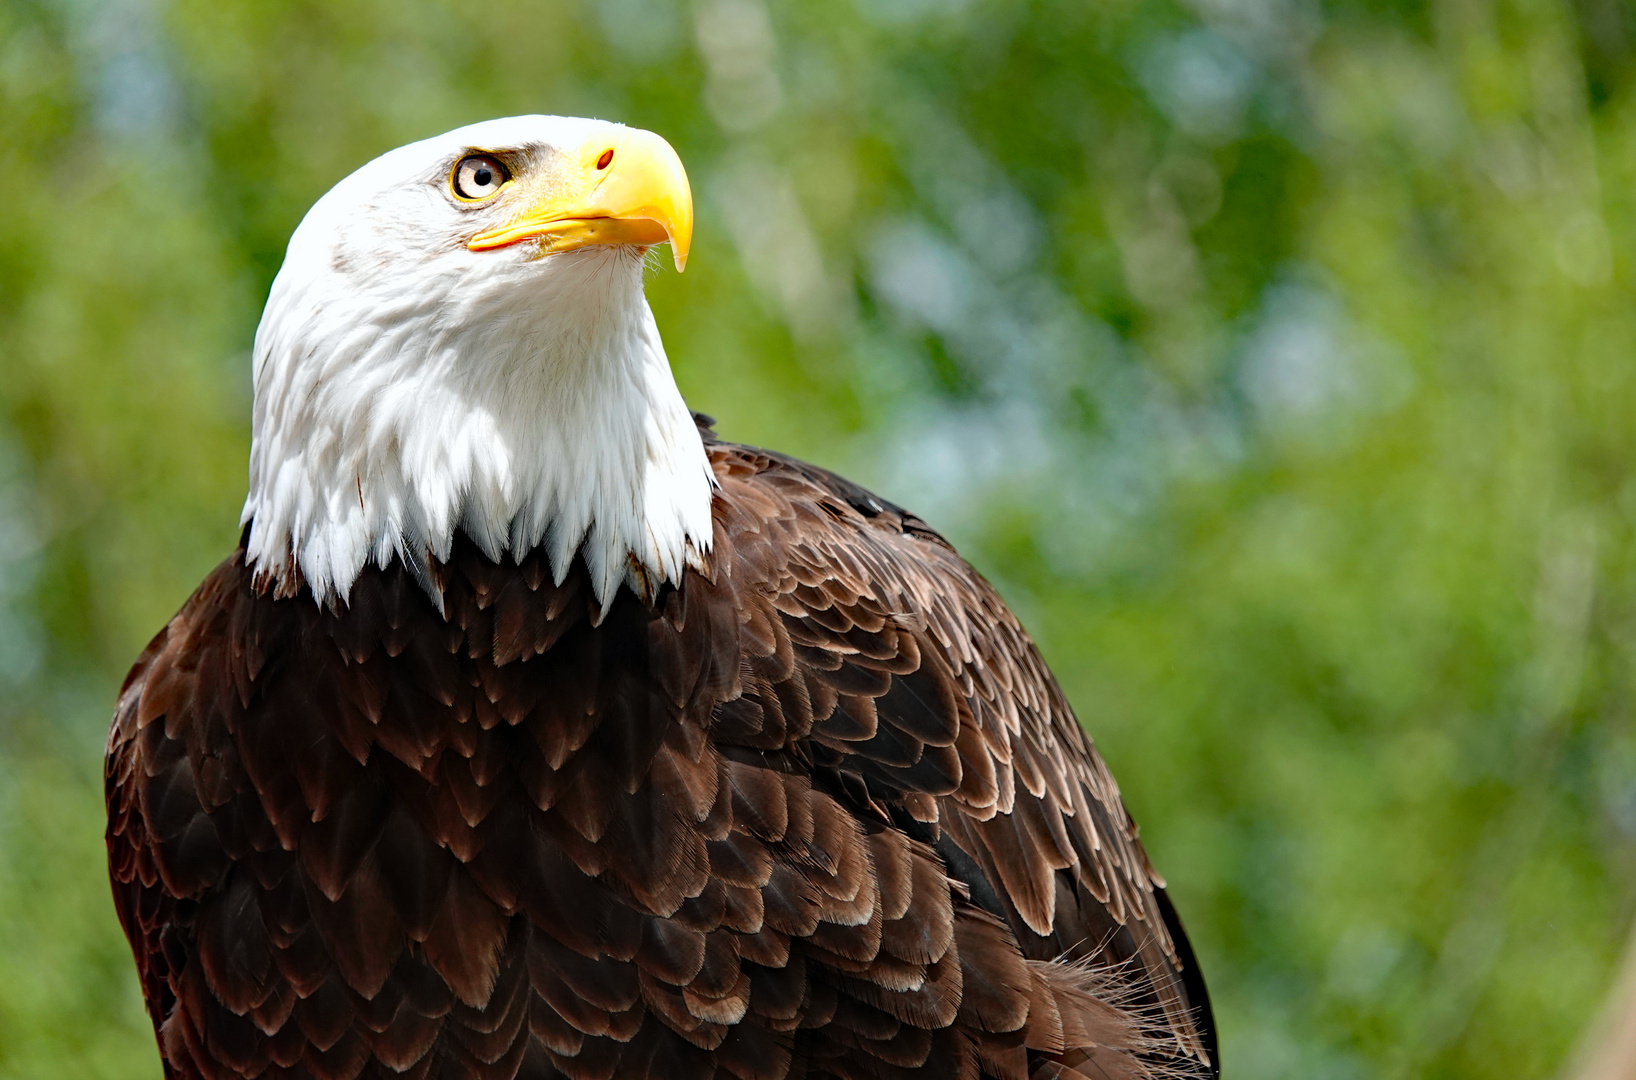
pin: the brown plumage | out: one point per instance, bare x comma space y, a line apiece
821, 812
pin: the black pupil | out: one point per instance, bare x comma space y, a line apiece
482, 177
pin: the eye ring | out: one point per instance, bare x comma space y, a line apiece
476, 177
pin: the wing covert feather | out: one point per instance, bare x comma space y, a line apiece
951, 710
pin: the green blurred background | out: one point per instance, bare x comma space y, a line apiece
1274, 357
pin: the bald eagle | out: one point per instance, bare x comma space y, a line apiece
533, 731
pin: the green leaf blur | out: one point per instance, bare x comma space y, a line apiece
1276, 358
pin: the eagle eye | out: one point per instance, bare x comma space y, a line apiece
478, 176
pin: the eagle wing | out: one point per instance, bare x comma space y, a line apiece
892, 669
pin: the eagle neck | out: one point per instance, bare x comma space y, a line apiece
543, 417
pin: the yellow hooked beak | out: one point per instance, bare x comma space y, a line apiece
623, 187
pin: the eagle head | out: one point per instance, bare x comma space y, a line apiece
458, 341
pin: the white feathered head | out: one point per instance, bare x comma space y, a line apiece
458, 340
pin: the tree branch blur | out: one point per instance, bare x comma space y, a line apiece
1608, 1049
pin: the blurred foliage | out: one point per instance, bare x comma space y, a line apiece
1274, 356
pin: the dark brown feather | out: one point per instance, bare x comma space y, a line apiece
818, 812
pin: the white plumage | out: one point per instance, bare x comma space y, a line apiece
407, 386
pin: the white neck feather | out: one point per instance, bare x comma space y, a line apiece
525, 409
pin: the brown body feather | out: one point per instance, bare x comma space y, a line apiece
821, 812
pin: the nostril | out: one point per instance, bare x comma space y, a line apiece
605, 160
